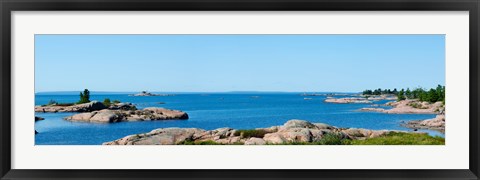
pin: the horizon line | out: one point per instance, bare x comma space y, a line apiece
204, 91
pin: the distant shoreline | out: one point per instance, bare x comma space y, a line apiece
161, 92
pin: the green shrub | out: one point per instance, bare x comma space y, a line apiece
331, 139
107, 102
52, 102
417, 105
248, 133
401, 95
116, 101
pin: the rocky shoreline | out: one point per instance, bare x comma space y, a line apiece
347, 100
410, 107
437, 123
413, 106
363, 99
85, 107
293, 131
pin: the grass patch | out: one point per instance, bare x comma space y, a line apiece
399, 138
258, 133
331, 139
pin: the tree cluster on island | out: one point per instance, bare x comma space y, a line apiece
84, 97
432, 95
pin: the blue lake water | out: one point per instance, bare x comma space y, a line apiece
211, 111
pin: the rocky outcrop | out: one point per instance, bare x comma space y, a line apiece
122, 106
159, 136
85, 107
410, 107
110, 116
437, 123
347, 100
293, 131
255, 141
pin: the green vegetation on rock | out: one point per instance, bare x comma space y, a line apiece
84, 97
258, 133
107, 102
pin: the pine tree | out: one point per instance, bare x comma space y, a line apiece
408, 93
400, 95
84, 97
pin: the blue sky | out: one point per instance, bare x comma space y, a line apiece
219, 63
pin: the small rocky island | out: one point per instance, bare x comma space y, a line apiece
145, 93
366, 99
108, 111
292, 132
119, 115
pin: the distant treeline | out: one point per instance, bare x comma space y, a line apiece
379, 91
432, 95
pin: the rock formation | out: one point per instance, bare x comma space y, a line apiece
293, 131
110, 116
437, 123
347, 100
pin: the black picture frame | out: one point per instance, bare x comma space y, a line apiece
7, 6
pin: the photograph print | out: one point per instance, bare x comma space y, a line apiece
239, 89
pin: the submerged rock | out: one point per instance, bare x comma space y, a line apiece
39, 118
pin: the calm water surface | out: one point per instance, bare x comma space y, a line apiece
211, 111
